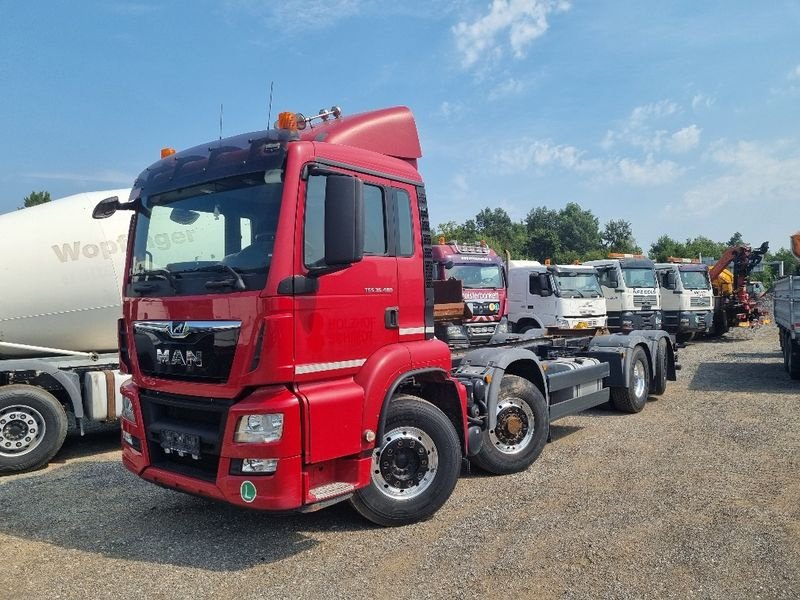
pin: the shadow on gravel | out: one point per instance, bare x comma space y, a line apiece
743, 377
100, 508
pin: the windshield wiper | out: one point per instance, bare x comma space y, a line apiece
145, 286
236, 283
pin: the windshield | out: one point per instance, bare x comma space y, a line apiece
639, 277
476, 277
209, 238
581, 285
695, 280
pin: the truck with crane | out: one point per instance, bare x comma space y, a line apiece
290, 362
630, 287
733, 306
61, 301
686, 297
786, 311
560, 297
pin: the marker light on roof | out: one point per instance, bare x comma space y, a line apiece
288, 120
165, 152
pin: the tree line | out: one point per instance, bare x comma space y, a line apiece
574, 234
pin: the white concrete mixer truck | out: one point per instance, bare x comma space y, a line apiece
60, 284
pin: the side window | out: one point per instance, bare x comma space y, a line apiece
374, 221
533, 284
314, 226
405, 231
314, 222
605, 277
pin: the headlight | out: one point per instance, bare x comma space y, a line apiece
502, 327
259, 428
562, 323
454, 331
259, 465
127, 410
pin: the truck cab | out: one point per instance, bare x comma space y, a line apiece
631, 291
554, 296
483, 281
686, 297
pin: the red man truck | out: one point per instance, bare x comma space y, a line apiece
289, 362
483, 279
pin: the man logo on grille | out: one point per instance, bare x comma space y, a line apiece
178, 329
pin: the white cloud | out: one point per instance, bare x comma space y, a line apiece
702, 101
538, 154
684, 139
297, 15
509, 87
509, 23
649, 112
755, 177
451, 111
794, 74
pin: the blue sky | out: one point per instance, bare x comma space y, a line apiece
681, 117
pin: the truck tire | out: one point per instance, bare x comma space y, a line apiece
416, 467
33, 425
521, 430
660, 381
793, 360
786, 350
633, 397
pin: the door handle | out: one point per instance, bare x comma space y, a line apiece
391, 317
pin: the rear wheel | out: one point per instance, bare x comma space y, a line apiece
660, 382
521, 429
793, 361
415, 468
33, 425
633, 397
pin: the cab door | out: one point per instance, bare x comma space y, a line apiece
341, 319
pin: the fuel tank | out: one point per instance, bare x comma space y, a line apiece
61, 275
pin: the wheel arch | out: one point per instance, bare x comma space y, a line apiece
67, 382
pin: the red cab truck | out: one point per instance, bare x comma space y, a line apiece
289, 362
483, 279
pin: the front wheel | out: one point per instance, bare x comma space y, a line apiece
633, 397
33, 426
520, 432
415, 468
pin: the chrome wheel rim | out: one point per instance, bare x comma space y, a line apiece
406, 463
22, 429
639, 381
513, 431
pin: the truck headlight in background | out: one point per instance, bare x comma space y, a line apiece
454, 331
260, 465
127, 410
562, 323
259, 428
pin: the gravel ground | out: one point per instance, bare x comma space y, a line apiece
697, 496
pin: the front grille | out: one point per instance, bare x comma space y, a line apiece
642, 299
204, 417
697, 301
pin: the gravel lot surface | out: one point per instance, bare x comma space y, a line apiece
697, 496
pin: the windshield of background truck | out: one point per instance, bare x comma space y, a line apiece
476, 277
218, 227
582, 285
695, 280
639, 278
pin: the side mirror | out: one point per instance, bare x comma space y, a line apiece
181, 216
544, 285
344, 220
670, 281
613, 281
449, 265
106, 207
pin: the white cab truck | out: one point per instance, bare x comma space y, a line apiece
61, 283
631, 291
686, 298
786, 311
554, 296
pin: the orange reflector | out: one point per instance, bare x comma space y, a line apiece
287, 120
441, 240
165, 152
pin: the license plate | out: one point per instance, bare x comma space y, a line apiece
181, 444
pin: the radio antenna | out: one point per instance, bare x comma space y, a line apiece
269, 113
220, 121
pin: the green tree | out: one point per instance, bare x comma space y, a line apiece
617, 236
736, 240
665, 247
578, 230
702, 246
501, 233
542, 233
35, 198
